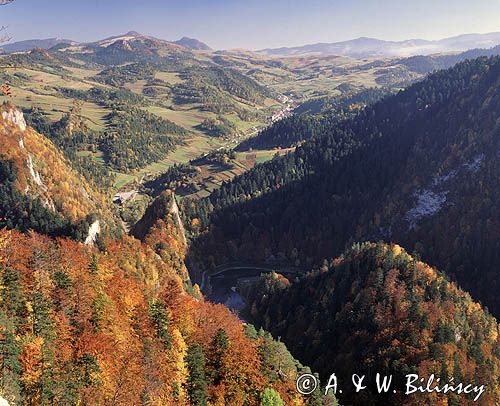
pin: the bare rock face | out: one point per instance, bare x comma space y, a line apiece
34, 174
15, 117
94, 230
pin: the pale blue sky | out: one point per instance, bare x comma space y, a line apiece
251, 24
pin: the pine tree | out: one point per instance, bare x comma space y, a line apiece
161, 321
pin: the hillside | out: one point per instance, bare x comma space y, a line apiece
377, 309
430, 63
129, 47
403, 170
81, 326
312, 118
35, 174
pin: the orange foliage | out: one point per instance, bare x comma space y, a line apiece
98, 336
61, 186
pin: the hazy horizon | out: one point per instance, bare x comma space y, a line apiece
251, 25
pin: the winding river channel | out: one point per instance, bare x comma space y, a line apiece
224, 280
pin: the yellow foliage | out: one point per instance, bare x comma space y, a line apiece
61, 185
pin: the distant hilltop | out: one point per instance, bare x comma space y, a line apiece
47, 43
30, 44
193, 43
371, 47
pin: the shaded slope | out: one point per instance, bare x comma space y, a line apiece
419, 168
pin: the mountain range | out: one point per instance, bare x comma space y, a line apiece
362, 47
370, 47
48, 43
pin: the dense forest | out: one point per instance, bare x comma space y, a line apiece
365, 179
349, 99
132, 139
292, 131
377, 308
104, 96
220, 91
84, 327
230, 81
313, 118
136, 138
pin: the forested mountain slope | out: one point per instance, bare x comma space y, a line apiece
40, 190
312, 119
429, 63
378, 309
117, 322
80, 326
419, 168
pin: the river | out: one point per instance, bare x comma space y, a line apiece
223, 284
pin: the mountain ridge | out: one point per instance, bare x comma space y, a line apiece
364, 47
47, 43
30, 44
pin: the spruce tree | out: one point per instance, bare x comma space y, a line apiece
196, 384
218, 348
